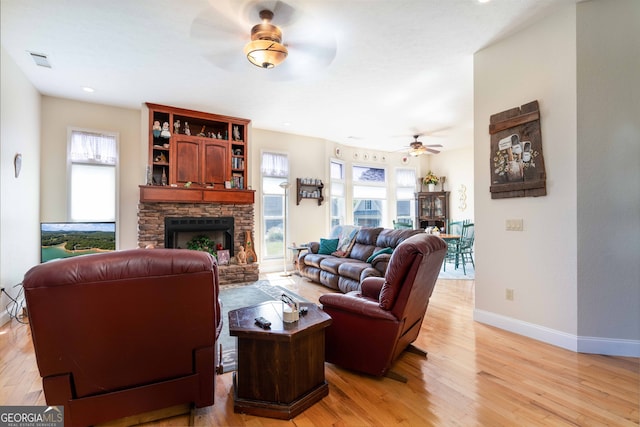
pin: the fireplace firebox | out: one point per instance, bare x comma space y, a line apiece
179, 231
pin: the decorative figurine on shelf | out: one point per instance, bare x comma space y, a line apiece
157, 129
164, 177
161, 158
187, 131
176, 127
149, 175
242, 256
165, 130
219, 135
202, 131
236, 133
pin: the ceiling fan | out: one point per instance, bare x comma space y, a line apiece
417, 148
237, 35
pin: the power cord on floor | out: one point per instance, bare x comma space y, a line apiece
14, 307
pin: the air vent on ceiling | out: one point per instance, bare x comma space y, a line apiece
40, 59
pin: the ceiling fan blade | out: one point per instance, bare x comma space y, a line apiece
211, 26
228, 59
434, 145
431, 150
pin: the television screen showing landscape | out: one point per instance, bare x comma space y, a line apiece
67, 239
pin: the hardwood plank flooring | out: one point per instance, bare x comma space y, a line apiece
475, 375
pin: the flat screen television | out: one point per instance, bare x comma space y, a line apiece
68, 239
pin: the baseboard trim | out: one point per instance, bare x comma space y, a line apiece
609, 347
596, 345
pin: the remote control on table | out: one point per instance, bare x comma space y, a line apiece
262, 322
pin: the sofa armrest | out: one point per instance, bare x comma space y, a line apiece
354, 303
371, 287
381, 262
314, 247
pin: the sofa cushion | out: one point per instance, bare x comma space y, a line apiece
389, 238
380, 252
314, 260
327, 246
331, 263
353, 269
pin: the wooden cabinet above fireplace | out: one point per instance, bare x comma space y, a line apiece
196, 157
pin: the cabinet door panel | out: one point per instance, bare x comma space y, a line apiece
215, 162
187, 161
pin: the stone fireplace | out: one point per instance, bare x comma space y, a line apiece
171, 225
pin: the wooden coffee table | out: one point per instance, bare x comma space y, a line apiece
280, 370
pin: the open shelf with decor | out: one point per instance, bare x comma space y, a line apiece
193, 150
309, 188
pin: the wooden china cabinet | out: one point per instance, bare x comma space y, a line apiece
196, 157
432, 209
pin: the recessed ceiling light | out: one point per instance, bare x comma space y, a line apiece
484, 1
286, 124
88, 89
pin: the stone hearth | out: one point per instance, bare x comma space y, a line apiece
151, 223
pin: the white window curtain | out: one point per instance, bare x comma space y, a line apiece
406, 178
93, 148
93, 159
276, 165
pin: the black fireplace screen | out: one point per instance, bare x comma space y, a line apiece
179, 231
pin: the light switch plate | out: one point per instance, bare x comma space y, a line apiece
514, 225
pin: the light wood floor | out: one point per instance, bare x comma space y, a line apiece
475, 375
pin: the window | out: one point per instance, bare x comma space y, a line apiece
338, 211
275, 171
369, 196
405, 199
93, 161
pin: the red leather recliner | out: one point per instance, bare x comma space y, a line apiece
124, 333
373, 326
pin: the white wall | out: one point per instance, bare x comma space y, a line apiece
60, 114
19, 197
608, 71
539, 263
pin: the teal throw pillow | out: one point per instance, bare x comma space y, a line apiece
381, 251
327, 246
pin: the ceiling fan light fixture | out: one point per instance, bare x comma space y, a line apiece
265, 53
265, 49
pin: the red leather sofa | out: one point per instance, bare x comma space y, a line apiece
124, 333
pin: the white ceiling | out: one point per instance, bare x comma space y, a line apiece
365, 73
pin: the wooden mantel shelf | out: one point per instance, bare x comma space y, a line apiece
168, 194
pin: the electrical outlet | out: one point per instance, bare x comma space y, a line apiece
514, 225
509, 294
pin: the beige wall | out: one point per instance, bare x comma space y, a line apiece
19, 210
575, 285
457, 166
608, 71
58, 115
539, 263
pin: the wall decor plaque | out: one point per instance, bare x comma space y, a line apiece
516, 161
